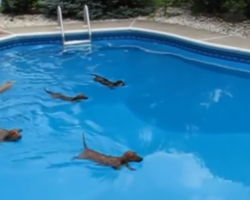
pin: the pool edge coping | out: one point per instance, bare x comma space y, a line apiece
194, 41
131, 28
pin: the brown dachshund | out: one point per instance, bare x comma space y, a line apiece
107, 82
78, 97
10, 135
6, 86
112, 161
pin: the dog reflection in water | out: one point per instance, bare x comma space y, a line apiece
77, 98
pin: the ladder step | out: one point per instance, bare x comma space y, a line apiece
75, 42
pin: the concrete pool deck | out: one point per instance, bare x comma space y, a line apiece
210, 37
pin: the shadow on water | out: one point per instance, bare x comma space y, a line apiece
97, 171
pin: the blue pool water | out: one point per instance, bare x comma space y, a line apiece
187, 117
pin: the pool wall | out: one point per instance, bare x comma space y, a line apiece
192, 45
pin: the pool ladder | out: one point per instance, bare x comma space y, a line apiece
86, 24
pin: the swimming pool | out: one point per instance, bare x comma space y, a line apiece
181, 109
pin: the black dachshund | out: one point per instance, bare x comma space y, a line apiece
107, 82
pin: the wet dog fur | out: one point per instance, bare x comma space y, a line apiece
10, 135
112, 161
78, 97
6, 86
107, 82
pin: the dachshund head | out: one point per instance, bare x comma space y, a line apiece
13, 135
81, 96
131, 156
119, 83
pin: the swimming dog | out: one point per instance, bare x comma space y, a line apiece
78, 97
10, 135
6, 86
112, 161
107, 82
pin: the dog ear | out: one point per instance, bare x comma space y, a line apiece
6, 137
124, 161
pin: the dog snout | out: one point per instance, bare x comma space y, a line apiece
140, 159
19, 137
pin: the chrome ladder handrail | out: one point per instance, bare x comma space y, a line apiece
60, 23
86, 23
87, 20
